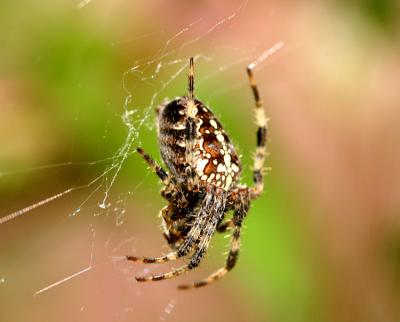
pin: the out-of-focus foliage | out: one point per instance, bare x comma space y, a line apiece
382, 12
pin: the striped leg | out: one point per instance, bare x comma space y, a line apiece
190, 128
161, 259
262, 131
194, 261
150, 260
192, 237
230, 262
172, 229
225, 226
175, 272
183, 250
160, 172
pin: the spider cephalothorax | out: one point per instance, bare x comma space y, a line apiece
202, 184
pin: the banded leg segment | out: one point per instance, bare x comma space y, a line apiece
225, 226
163, 276
262, 135
161, 259
151, 260
173, 229
230, 262
192, 237
190, 128
191, 79
157, 169
194, 261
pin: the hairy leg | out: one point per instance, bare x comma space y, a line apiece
195, 260
157, 169
231, 260
262, 135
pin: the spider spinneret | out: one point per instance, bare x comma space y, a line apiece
202, 185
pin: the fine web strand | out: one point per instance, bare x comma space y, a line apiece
90, 267
216, 25
45, 201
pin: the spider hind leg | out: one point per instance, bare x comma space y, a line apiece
195, 260
200, 235
175, 226
183, 249
230, 261
172, 233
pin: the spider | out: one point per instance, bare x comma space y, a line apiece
202, 185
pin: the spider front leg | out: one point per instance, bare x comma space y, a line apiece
157, 169
262, 135
190, 129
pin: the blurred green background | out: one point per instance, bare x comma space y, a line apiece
323, 242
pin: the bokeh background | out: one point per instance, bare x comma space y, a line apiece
323, 242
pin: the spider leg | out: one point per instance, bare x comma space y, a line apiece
210, 210
183, 250
225, 226
172, 229
230, 262
175, 272
193, 236
158, 170
190, 128
262, 135
194, 261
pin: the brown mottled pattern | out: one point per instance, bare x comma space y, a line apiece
171, 136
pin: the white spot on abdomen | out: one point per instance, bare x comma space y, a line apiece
227, 160
201, 165
228, 182
221, 168
235, 167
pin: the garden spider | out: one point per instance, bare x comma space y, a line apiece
202, 183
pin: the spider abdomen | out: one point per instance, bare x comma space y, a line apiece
214, 159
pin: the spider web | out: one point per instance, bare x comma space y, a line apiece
160, 74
